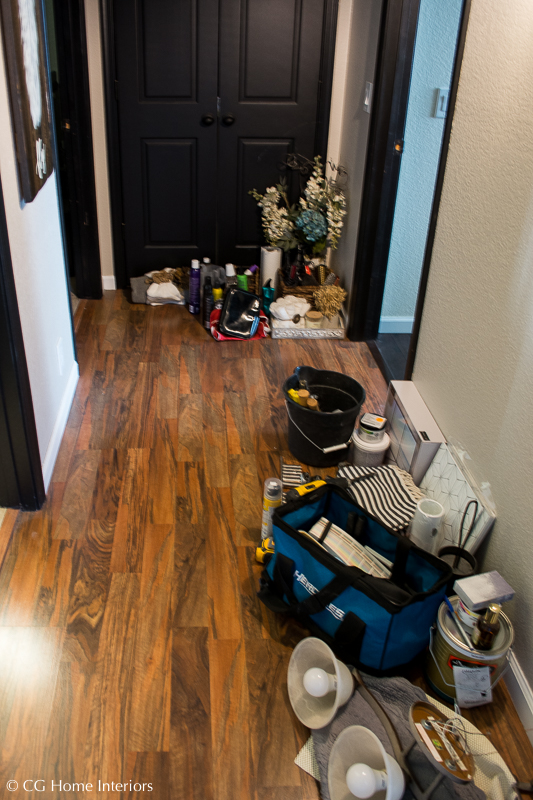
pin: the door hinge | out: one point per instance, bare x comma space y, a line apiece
86, 218
123, 231
116, 90
398, 145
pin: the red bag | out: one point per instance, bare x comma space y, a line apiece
262, 329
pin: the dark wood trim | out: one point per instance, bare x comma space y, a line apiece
74, 130
394, 63
438, 190
113, 146
325, 84
21, 477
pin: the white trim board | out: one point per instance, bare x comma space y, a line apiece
521, 694
60, 424
396, 324
109, 283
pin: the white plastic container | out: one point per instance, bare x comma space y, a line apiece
368, 454
426, 526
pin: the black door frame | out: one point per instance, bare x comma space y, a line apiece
72, 115
111, 96
21, 476
391, 97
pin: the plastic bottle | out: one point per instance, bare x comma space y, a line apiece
217, 291
231, 276
486, 628
208, 303
194, 287
272, 495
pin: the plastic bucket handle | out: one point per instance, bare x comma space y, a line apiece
331, 449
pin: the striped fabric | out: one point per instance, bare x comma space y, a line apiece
388, 493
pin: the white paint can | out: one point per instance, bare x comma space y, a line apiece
368, 454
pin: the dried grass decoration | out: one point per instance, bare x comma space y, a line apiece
329, 300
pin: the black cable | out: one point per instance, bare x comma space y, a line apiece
462, 544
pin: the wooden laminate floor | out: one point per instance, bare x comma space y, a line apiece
133, 647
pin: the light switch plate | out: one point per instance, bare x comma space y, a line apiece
369, 89
441, 103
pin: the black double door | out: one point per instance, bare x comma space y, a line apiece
213, 95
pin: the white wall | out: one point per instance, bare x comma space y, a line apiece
438, 25
96, 89
474, 365
355, 60
43, 298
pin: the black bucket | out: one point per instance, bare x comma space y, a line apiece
321, 438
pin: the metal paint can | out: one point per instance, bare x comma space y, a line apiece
447, 649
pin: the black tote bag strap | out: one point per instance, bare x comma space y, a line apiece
319, 601
349, 637
403, 548
283, 579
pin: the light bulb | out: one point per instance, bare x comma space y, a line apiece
317, 682
363, 781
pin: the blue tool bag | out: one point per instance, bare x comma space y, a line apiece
376, 624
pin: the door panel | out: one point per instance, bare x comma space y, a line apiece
168, 47
269, 51
169, 184
168, 155
185, 180
270, 56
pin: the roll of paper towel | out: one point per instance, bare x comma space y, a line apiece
270, 264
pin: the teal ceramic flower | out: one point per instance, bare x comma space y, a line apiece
313, 225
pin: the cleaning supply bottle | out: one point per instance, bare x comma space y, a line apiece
194, 287
231, 276
208, 303
217, 293
272, 496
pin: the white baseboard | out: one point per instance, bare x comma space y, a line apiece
396, 324
109, 283
60, 425
521, 694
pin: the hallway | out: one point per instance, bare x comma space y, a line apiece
133, 645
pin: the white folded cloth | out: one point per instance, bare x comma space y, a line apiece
160, 293
288, 307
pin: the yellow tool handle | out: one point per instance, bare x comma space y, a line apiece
305, 488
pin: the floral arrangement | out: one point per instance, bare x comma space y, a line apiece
315, 222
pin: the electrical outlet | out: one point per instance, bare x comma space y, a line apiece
60, 355
441, 103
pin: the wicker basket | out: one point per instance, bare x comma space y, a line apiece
306, 292
254, 283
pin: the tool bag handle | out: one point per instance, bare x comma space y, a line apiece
348, 637
283, 576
